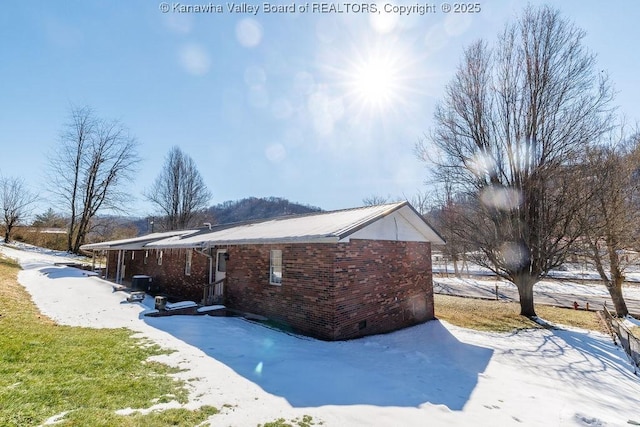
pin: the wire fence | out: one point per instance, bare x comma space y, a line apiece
628, 341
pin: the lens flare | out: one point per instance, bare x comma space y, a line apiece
375, 81
258, 369
501, 198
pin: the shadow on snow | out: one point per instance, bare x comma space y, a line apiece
408, 368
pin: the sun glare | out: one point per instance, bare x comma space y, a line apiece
377, 80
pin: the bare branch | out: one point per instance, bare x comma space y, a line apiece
88, 169
179, 192
508, 135
16, 202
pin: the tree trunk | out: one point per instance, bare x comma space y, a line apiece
525, 283
614, 287
455, 265
7, 235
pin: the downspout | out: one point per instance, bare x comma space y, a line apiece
201, 252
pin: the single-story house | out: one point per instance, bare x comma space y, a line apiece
332, 275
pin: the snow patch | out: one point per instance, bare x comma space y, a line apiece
56, 419
209, 308
180, 304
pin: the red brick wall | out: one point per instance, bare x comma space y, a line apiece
330, 291
302, 302
381, 286
170, 276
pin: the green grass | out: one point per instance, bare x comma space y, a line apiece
500, 316
305, 421
47, 369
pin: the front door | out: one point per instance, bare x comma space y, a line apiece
221, 264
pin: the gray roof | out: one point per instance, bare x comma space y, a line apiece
402, 223
135, 242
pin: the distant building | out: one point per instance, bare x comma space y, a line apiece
332, 275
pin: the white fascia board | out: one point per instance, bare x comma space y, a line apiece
212, 243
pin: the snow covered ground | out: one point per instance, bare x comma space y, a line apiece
569, 271
432, 374
630, 291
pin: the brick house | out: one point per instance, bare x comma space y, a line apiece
332, 275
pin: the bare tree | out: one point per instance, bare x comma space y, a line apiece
111, 228
94, 159
446, 215
508, 134
16, 202
375, 200
422, 201
611, 214
179, 191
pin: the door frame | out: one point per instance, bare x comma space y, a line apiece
216, 275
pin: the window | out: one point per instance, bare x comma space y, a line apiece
160, 258
275, 269
133, 255
187, 265
146, 256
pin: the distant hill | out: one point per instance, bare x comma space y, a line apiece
114, 227
257, 208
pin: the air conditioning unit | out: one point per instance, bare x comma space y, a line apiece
140, 282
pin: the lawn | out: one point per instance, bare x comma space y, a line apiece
87, 374
501, 316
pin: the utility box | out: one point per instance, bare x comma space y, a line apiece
140, 282
161, 303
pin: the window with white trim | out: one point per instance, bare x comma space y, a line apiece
187, 265
275, 267
160, 258
146, 256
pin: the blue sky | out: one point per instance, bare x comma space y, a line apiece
320, 108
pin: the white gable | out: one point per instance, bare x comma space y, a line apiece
401, 225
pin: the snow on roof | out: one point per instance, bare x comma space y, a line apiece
322, 227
